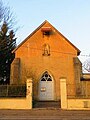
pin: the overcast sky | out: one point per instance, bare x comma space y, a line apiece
70, 17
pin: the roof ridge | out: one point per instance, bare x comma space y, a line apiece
30, 35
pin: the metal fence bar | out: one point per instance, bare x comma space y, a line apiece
80, 91
12, 90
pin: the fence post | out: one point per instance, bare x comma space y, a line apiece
63, 92
29, 91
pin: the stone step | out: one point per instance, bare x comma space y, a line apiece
46, 104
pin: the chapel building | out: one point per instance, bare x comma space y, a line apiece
46, 56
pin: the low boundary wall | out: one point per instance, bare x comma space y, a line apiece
19, 103
72, 103
80, 104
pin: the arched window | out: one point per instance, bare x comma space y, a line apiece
46, 77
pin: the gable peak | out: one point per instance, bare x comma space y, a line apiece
46, 21
47, 26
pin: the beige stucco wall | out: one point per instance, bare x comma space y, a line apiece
18, 103
86, 76
83, 104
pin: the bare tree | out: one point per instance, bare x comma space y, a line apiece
7, 16
86, 66
7, 43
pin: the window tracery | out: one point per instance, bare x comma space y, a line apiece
46, 77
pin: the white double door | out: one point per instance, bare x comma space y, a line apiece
46, 90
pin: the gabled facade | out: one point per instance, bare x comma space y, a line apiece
46, 56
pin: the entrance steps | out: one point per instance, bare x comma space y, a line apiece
46, 104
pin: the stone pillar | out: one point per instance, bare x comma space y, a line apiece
78, 76
15, 71
63, 92
29, 92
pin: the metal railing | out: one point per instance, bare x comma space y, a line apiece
78, 91
12, 90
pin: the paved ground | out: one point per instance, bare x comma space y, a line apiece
44, 114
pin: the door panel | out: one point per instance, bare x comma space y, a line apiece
46, 87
